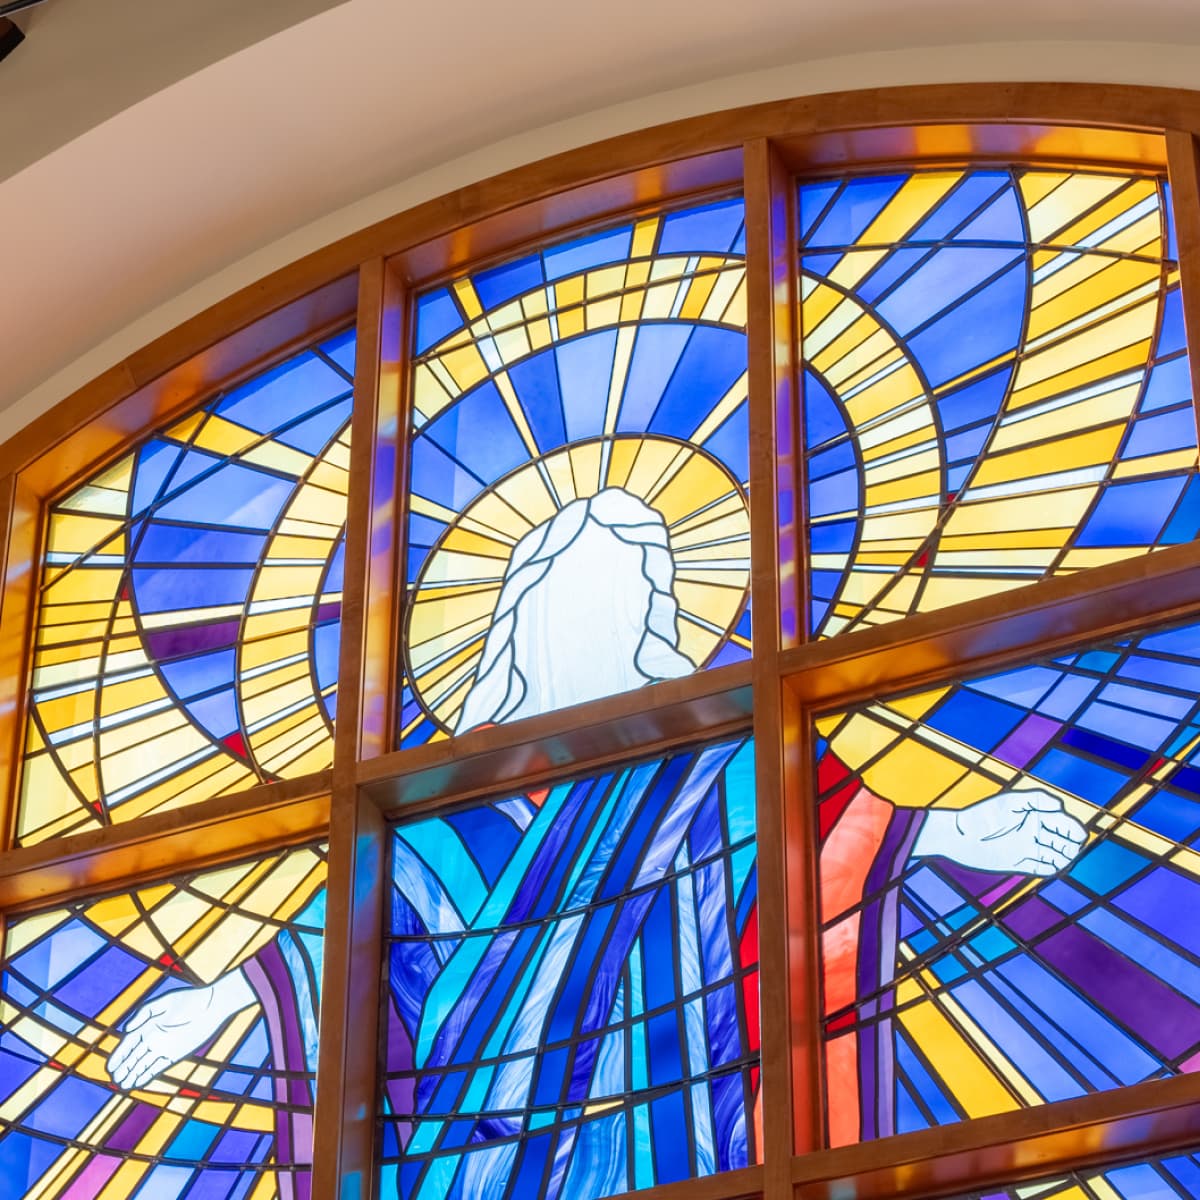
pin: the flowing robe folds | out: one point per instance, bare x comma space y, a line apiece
581, 1006
865, 844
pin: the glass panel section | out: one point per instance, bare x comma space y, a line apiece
996, 385
190, 607
1177, 1175
163, 1041
573, 1000
1009, 878
578, 519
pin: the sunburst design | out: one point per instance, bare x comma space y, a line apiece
703, 507
996, 384
618, 360
190, 608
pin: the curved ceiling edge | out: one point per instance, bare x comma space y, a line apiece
155, 273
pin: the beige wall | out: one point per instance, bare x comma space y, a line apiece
196, 191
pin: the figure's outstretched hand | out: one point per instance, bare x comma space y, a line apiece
1026, 832
172, 1026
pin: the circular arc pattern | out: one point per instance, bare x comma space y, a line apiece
704, 509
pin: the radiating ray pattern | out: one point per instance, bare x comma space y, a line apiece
573, 1001
996, 384
952, 992
231, 1120
616, 360
1177, 1175
190, 607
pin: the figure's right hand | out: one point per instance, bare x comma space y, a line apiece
1025, 831
174, 1025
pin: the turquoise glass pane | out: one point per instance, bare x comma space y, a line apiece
572, 1007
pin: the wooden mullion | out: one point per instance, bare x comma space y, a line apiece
637, 724
776, 430
802, 952
344, 1125
389, 509
763, 235
745, 1183
803, 923
1183, 171
366, 728
1144, 1120
352, 649
1044, 618
20, 540
412, 797
189, 838
790, 1062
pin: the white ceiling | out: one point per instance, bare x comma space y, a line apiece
152, 162
82, 61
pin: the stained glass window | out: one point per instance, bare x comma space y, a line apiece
1009, 886
1167, 1178
996, 386
187, 630
161, 1042
994, 391
578, 470
573, 1000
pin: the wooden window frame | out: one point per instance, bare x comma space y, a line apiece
369, 278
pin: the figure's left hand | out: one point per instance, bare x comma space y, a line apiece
1025, 832
174, 1025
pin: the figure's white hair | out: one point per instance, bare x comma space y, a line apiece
510, 663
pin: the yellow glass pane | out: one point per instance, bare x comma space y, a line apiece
992, 360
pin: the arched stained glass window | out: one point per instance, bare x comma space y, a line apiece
996, 385
579, 435
928, 884
187, 630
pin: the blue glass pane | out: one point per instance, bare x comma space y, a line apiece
1012, 854
573, 979
1012, 378
591, 443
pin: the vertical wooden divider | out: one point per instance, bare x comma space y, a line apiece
344, 1128
790, 475
20, 533
1184, 174
789, 1119
388, 466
